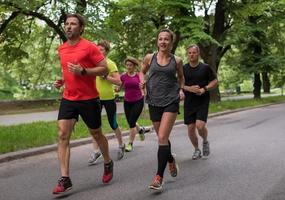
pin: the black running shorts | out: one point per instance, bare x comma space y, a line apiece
191, 114
156, 112
89, 111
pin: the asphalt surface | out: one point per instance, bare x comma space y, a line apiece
14, 119
247, 163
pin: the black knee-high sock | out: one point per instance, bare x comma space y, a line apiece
170, 157
162, 158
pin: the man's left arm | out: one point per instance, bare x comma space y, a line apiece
101, 69
211, 85
213, 81
180, 75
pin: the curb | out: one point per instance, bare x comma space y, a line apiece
74, 143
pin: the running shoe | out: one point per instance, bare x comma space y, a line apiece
121, 152
129, 147
156, 183
196, 154
141, 133
108, 172
94, 158
173, 168
206, 148
64, 184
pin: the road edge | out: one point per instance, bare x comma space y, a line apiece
74, 143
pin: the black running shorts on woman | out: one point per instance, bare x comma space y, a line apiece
156, 112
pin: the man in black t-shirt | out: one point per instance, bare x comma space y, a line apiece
199, 79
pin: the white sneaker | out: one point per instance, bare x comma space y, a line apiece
94, 158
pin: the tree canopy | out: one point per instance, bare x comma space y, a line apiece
248, 35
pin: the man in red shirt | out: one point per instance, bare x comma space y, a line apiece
81, 61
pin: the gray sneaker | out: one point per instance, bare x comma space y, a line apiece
196, 154
121, 152
94, 158
206, 148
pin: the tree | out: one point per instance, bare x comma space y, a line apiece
256, 42
30, 31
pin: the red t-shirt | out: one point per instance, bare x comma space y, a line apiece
87, 54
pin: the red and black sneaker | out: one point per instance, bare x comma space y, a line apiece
173, 168
108, 172
64, 184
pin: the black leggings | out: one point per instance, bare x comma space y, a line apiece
133, 111
111, 110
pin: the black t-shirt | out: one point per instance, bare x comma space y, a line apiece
200, 75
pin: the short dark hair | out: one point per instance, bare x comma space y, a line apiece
105, 44
79, 17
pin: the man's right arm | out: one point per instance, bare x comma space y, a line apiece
114, 78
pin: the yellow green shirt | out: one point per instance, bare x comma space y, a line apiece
104, 87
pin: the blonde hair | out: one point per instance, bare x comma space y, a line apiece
194, 46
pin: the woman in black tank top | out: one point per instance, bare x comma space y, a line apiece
165, 80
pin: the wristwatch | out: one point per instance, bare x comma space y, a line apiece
83, 72
205, 88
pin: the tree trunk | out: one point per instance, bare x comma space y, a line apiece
212, 53
210, 56
266, 82
176, 41
257, 86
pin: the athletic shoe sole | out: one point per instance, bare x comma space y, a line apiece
197, 158
62, 193
205, 157
95, 162
158, 189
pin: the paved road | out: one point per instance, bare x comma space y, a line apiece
38, 116
247, 163
52, 115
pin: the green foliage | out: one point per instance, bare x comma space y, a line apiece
6, 95
246, 86
29, 46
132, 28
28, 42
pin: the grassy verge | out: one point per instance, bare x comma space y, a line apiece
24, 136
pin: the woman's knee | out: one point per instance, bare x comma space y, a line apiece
162, 139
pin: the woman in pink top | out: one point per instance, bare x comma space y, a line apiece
133, 99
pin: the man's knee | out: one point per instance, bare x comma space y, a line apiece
200, 125
191, 128
63, 134
96, 133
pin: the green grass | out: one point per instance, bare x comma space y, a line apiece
25, 136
